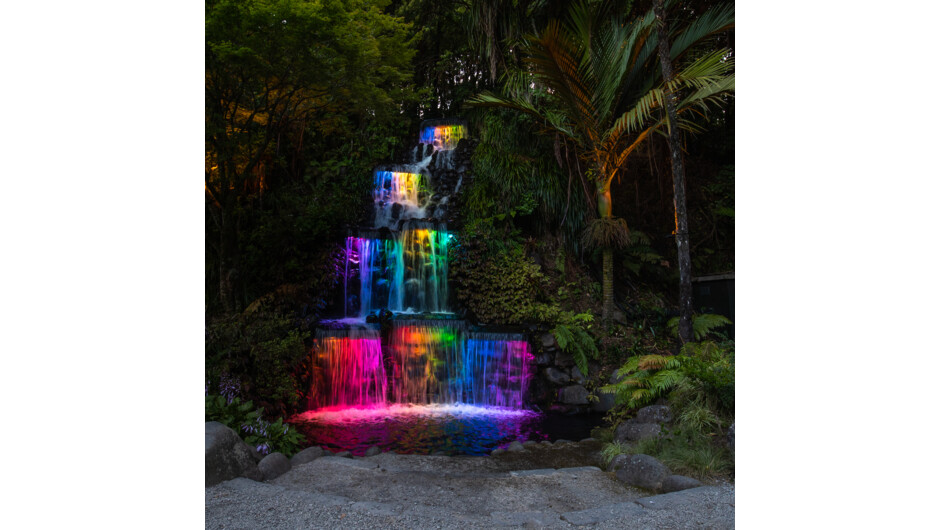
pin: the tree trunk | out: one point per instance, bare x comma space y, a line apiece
678, 185
604, 209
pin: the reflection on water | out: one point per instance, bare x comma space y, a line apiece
427, 429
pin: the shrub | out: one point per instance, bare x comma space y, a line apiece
571, 333
264, 352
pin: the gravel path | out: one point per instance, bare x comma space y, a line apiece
411, 491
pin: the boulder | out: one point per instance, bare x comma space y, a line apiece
227, 456
307, 455
515, 446
573, 395
678, 483
643, 471
544, 359
630, 431
654, 414
548, 341
577, 376
497, 451
274, 465
617, 462
344, 454
373, 451
556, 376
530, 444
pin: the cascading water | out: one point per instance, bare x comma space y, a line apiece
427, 365
351, 371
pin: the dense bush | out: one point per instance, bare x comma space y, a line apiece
264, 352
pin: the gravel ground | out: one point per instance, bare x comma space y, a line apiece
411, 491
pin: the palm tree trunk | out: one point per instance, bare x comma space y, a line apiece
678, 184
604, 209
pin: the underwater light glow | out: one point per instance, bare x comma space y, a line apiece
443, 137
357, 414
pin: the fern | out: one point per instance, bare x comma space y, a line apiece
572, 337
646, 378
702, 325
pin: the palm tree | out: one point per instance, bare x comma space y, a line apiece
604, 93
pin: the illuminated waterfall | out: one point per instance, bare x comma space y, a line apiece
350, 370
444, 136
406, 190
401, 265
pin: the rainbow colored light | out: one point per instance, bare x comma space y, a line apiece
443, 137
423, 362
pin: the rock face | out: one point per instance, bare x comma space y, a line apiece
307, 455
629, 431
227, 456
556, 376
643, 471
678, 483
548, 341
573, 395
274, 465
576, 375
654, 414
605, 402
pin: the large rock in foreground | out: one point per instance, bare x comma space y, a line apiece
274, 465
643, 471
227, 456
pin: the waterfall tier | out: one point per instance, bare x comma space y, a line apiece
422, 362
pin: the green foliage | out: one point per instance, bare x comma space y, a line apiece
602, 434
612, 449
711, 366
495, 286
517, 179
302, 100
264, 352
689, 452
234, 413
702, 325
639, 254
275, 436
244, 419
645, 379
571, 333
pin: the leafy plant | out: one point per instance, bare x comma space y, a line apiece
702, 325
496, 287
245, 419
611, 450
646, 378
571, 333
264, 351
272, 437
233, 413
